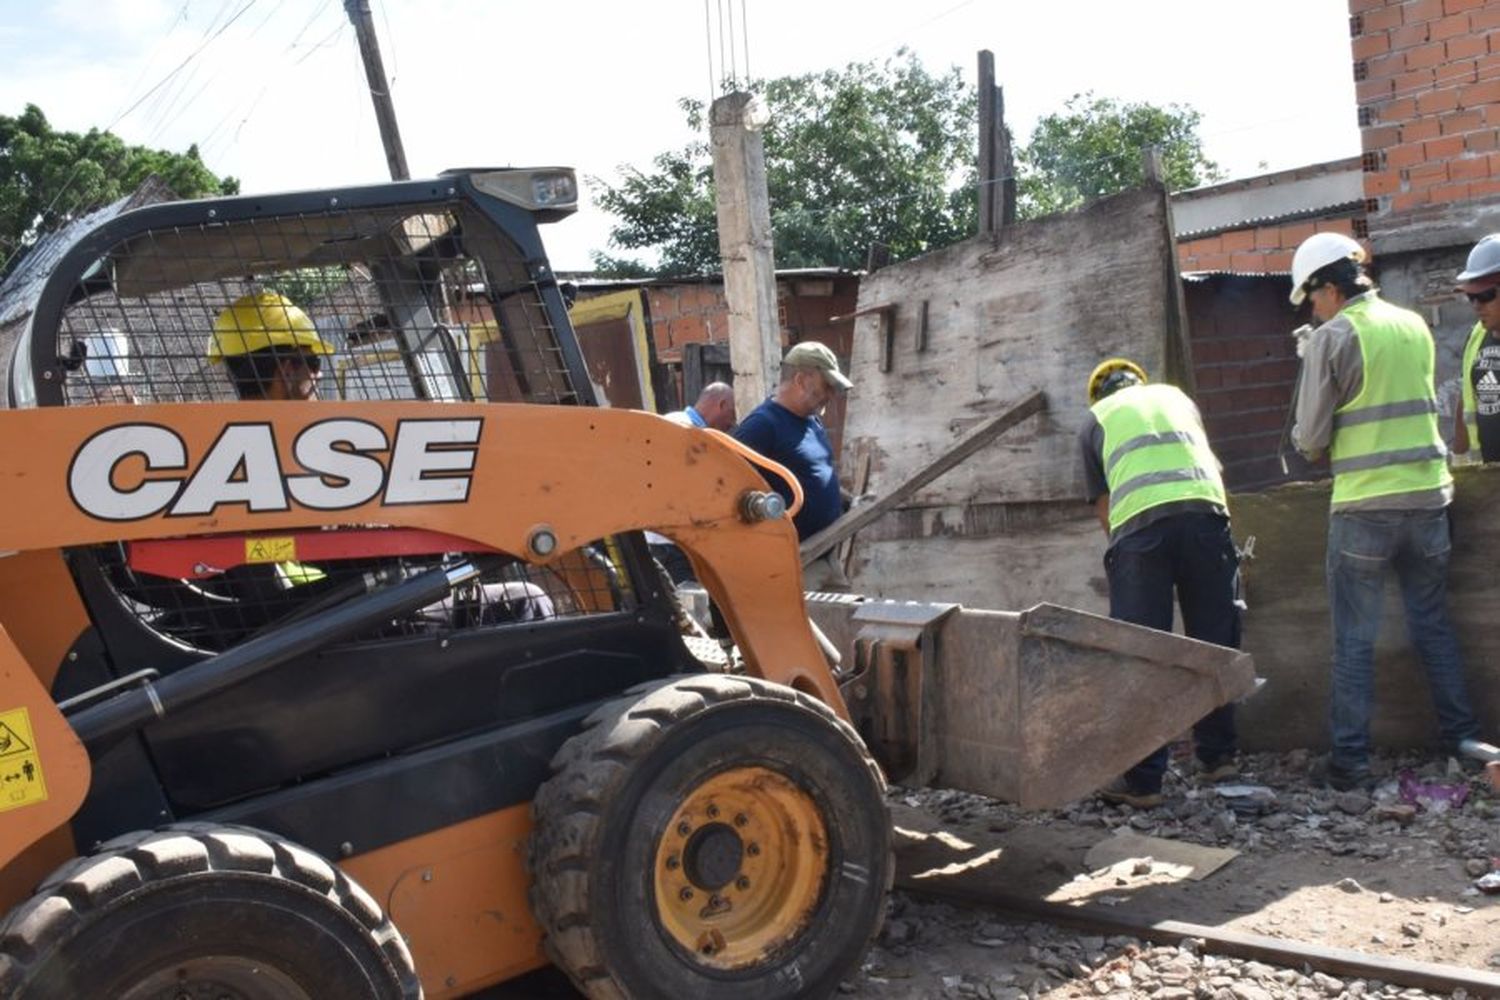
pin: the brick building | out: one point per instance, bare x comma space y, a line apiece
1427, 83
1427, 78
1234, 246
687, 326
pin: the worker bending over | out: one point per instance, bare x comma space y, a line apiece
1155, 484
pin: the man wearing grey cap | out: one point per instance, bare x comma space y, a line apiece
786, 429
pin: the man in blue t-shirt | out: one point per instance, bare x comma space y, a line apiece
786, 429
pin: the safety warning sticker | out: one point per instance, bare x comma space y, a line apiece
21, 782
265, 550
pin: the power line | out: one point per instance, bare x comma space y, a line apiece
391, 40
327, 40
193, 55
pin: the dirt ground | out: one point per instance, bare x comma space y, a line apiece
1368, 872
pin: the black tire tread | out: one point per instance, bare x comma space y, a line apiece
123, 864
588, 770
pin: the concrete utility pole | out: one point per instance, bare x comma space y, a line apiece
745, 245
380, 92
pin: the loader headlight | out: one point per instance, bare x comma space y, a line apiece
550, 192
553, 190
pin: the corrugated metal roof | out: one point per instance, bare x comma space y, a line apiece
22, 287
1267, 201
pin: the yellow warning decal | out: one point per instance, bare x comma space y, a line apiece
21, 782
270, 550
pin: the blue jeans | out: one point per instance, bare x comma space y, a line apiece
1416, 544
1193, 555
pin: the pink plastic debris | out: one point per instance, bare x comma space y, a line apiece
1434, 796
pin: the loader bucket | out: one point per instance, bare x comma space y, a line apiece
1037, 707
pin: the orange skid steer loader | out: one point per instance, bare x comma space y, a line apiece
334, 664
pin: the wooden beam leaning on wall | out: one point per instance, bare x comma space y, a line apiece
862, 517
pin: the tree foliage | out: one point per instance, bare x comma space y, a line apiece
885, 154
1093, 148
48, 177
864, 155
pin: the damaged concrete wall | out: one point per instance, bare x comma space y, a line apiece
959, 335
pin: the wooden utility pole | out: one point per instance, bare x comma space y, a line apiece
380, 91
745, 246
997, 171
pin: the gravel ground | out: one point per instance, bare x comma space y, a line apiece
1375, 872
1364, 871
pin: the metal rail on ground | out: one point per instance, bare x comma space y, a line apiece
1344, 962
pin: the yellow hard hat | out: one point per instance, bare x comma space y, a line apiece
1105, 369
260, 320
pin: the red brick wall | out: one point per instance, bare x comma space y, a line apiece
689, 313
697, 312
1260, 250
1245, 366
1427, 78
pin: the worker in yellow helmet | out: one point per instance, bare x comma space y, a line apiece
1365, 396
1155, 485
269, 347
272, 351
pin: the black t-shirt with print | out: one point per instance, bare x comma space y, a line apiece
1484, 376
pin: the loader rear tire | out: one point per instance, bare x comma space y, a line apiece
203, 910
711, 836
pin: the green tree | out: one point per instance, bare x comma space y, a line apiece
48, 177
854, 157
1093, 148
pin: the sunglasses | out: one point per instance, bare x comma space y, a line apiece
1480, 298
312, 362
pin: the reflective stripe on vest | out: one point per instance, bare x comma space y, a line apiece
1386, 439
1155, 452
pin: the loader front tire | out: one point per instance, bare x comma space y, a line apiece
203, 910
711, 836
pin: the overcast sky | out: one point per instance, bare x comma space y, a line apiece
273, 91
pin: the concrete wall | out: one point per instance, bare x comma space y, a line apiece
1288, 631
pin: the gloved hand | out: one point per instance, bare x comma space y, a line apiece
1302, 335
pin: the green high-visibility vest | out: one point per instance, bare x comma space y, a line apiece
1386, 439
1155, 452
296, 574
1466, 378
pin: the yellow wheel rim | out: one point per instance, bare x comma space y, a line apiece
740, 867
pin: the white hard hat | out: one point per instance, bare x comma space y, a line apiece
1316, 253
107, 355
1484, 260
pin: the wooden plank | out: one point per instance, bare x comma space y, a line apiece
859, 485
976, 439
989, 162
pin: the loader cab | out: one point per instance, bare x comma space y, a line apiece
431, 292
